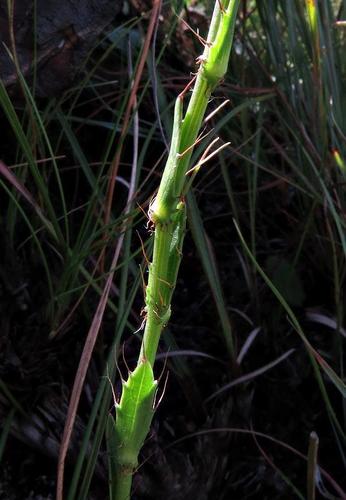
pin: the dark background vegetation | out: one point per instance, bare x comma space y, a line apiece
231, 424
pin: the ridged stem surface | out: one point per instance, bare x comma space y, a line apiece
168, 219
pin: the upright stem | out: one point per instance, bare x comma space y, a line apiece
157, 310
214, 62
168, 218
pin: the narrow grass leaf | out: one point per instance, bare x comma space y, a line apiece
210, 268
250, 376
314, 356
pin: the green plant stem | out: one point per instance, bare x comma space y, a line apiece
167, 215
123, 483
158, 313
163, 273
218, 47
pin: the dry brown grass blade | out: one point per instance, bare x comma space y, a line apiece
130, 105
12, 179
6, 172
82, 370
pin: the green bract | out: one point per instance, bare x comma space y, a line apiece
216, 63
134, 414
168, 195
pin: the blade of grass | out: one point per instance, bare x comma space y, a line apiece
312, 466
6, 428
251, 433
205, 252
23, 142
314, 356
250, 376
